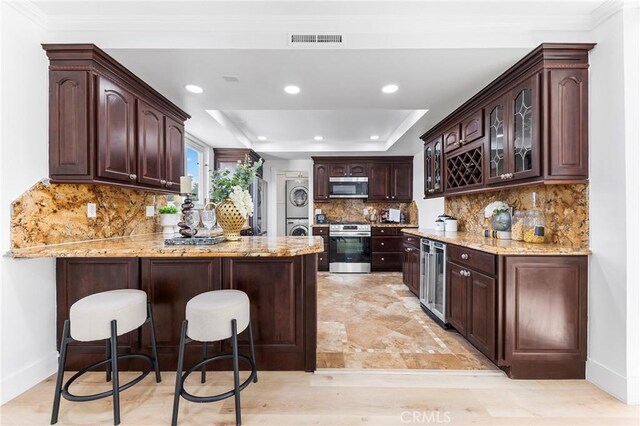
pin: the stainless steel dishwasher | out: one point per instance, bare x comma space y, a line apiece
433, 279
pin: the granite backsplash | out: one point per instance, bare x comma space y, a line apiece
566, 210
349, 209
50, 213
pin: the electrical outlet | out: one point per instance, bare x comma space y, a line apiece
151, 211
365, 211
91, 210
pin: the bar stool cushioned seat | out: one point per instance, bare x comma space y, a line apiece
209, 315
91, 316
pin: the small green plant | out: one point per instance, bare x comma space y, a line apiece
168, 210
224, 181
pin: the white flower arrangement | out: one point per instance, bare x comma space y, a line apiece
242, 200
495, 208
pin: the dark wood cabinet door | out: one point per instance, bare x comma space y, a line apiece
496, 159
402, 181
116, 132
428, 169
379, 184
452, 138
568, 153
276, 309
68, 124
524, 130
546, 316
320, 182
358, 169
414, 261
323, 261
174, 153
472, 127
457, 298
481, 326
80, 277
406, 267
170, 284
339, 170
151, 162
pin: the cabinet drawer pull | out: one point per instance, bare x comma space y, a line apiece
163, 182
432, 191
132, 176
464, 256
465, 273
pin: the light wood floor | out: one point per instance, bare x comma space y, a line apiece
342, 397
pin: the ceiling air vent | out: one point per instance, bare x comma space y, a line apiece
230, 78
315, 39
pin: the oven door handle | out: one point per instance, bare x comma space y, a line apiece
349, 234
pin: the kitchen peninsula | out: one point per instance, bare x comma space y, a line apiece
277, 273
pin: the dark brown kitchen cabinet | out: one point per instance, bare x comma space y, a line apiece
481, 321
391, 181
107, 126
379, 181
338, 170
386, 249
170, 284
80, 277
323, 258
151, 145
530, 125
433, 168
227, 158
358, 170
116, 132
320, 182
411, 264
457, 298
545, 331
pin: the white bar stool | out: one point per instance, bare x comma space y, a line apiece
211, 317
105, 315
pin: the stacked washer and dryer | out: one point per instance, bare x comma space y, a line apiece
297, 207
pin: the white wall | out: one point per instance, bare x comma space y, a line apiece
27, 309
428, 210
613, 192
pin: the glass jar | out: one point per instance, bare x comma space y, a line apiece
517, 225
534, 227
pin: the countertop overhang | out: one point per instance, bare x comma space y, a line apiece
495, 246
152, 245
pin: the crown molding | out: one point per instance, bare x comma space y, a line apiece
31, 11
605, 11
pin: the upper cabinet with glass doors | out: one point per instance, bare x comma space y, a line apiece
528, 125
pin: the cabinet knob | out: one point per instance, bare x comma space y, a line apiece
387, 197
393, 196
382, 258
465, 273
465, 256
382, 231
133, 176
431, 191
509, 175
381, 244
163, 182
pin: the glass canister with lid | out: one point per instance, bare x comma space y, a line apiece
534, 228
517, 225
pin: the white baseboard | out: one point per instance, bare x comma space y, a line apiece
28, 377
607, 380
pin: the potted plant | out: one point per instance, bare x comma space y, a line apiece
500, 214
168, 219
231, 196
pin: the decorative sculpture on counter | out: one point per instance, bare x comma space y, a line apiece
187, 227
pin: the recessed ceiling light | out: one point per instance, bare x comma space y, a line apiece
374, 137
262, 138
390, 88
318, 138
292, 90
193, 88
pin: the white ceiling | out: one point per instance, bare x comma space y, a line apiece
439, 52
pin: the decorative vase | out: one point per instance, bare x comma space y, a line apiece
169, 223
230, 220
501, 221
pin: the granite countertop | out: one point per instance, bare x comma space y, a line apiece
499, 247
374, 225
152, 245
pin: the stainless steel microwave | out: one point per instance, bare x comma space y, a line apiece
348, 187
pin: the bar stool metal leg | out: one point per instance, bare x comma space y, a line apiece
178, 390
64, 341
154, 346
253, 351
236, 372
203, 377
108, 352
114, 367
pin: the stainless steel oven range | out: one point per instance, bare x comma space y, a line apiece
349, 247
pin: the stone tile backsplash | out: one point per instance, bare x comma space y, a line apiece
352, 209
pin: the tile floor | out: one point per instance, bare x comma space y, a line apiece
374, 321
